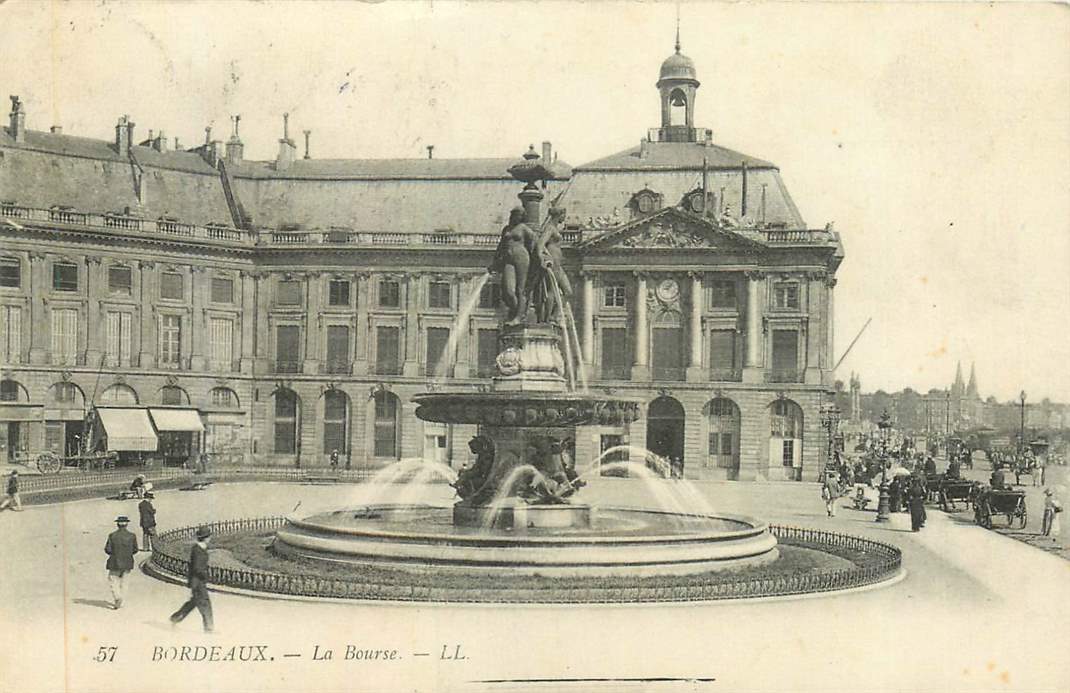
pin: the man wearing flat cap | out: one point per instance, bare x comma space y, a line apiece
198, 582
121, 547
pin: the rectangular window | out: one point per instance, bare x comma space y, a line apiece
438, 295
389, 294
171, 286
223, 398
487, 353
337, 348
118, 347
722, 353
120, 280
386, 433
786, 295
615, 296
10, 334
338, 292
222, 290
668, 353
64, 277
221, 342
615, 364
722, 293
490, 295
288, 293
64, 335
788, 457
287, 349
715, 443
10, 272
170, 340
437, 339
785, 359
335, 422
387, 361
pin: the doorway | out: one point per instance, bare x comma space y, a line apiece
665, 432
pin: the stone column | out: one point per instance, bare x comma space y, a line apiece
147, 355
588, 320
830, 345
694, 371
361, 332
753, 363
641, 369
38, 325
411, 365
262, 345
463, 360
95, 322
198, 325
248, 321
313, 322
814, 336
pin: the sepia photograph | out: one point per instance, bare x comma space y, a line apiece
534, 346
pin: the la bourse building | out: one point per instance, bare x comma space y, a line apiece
297, 305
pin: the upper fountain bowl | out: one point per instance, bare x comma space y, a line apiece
528, 409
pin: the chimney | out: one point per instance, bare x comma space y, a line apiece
287, 149
124, 131
235, 148
308, 152
743, 193
547, 154
160, 143
56, 129
644, 148
208, 134
17, 127
178, 147
430, 151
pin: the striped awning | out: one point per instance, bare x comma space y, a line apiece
177, 420
128, 429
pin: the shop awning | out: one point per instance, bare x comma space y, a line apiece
177, 420
128, 429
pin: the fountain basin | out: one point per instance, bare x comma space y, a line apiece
520, 516
618, 541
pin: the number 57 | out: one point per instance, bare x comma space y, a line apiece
105, 654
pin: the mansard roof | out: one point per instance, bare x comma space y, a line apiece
674, 156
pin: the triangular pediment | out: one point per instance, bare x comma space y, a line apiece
671, 228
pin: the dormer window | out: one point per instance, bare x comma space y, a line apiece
645, 201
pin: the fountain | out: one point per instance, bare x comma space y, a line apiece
518, 507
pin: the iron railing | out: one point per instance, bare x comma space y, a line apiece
881, 562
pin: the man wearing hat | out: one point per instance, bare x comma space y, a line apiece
198, 582
148, 519
12, 492
121, 547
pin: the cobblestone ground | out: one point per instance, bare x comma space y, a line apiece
976, 611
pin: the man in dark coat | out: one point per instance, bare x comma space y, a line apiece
198, 583
12, 490
916, 500
121, 547
148, 519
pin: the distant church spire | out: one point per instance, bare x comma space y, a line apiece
971, 389
959, 387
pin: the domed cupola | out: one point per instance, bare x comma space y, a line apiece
677, 84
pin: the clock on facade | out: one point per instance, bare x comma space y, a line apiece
668, 290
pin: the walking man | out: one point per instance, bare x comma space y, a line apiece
121, 547
148, 519
198, 582
334, 460
12, 498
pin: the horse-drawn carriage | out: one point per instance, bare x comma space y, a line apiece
1009, 502
947, 491
49, 462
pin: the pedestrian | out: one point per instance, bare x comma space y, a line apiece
830, 492
334, 459
12, 497
137, 486
916, 500
148, 519
121, 547
198, 583
1052, 508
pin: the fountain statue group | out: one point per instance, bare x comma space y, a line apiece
552, 479
530, 264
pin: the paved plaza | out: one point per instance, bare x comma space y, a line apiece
975, 611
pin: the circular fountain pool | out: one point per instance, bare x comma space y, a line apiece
618, 541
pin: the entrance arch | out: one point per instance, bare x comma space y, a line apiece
665, 431
785, 440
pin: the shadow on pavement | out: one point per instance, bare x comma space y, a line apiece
99, 603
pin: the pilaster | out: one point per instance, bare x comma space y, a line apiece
39, 326
641, 367
147, 355
411, 365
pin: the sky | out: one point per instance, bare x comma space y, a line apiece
936, 137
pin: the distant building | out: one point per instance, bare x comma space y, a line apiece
298, 304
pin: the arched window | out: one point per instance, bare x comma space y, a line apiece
286, 417
787, 419
173, 395
67, 395
386, 425
224, 398
785, 439
11, 391
335, 421
118, 394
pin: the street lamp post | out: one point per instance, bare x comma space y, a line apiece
830, 422
1021, 433
883, 508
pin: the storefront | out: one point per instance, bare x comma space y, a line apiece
127, 431
180, 432
19, 430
